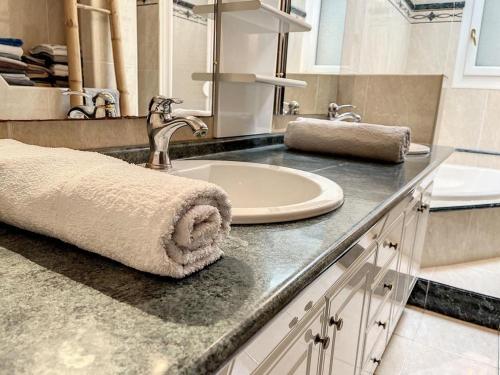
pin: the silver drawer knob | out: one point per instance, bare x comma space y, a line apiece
390, 245
423, 207
324, 341
337, 322
380, 324
388, 286
377, 361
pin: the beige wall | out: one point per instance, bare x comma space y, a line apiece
375, 38
399, 100
320, 91
87, 134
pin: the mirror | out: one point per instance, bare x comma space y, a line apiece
126, 52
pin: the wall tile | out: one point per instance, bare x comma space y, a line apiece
461, 118
80, 134
490, 132
407, 100
352, 90
327, 92
305, 96
446, 241
4, 129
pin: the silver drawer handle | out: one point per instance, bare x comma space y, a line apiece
339, 322
377, 361
423, 207
388, 286
325, 341
380, 324
391, 245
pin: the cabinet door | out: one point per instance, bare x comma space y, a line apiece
423, 218
299, 353
410, 230
346, 317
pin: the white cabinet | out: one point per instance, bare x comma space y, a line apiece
341, 323
347, 306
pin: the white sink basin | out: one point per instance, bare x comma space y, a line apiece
263, 193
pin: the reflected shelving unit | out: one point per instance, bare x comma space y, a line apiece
247, 66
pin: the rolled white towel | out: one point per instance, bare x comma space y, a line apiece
149, 220
379, 142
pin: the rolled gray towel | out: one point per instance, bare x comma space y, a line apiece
379, 142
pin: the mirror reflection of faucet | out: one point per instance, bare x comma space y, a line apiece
334, 113
101, 105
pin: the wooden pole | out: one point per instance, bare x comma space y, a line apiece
118, 57
73, 45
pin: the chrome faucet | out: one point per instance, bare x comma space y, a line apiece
334, 113
162, 125
103, 105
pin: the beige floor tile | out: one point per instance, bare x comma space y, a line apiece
459, 338
409, 323
423, 360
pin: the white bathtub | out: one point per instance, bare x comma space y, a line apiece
457, 185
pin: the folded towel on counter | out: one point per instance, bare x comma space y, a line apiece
16, 51
149, 220
11, 42
379, 142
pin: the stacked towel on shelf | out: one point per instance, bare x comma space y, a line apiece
12, 69
49, 64
378, 142
11, 42
148, 220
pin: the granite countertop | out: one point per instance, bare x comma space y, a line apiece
64, 310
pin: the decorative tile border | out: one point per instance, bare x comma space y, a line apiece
430, 12
456, 303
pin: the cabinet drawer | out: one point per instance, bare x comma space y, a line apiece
394, 214
374, 358
378, 326
382, 288
390, 242
299, 353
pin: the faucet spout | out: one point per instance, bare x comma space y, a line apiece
161, 128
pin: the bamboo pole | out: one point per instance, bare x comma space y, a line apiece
73, 45
93, 9
118, 57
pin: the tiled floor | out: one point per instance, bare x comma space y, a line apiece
432, 344
480, 276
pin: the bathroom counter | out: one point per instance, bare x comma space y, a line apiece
64, 310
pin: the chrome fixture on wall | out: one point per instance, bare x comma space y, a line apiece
334, 113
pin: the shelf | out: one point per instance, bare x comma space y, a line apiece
259, 17
250, 78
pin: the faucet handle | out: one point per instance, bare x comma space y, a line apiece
163, 105
335, 108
